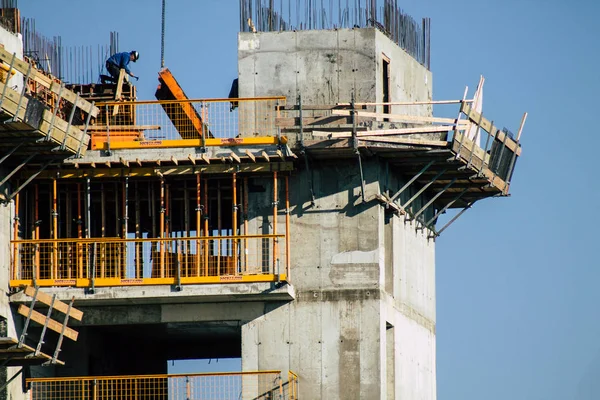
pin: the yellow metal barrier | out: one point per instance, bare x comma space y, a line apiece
181, 123
262, 385
119, 262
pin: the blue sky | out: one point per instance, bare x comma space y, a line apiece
517, 278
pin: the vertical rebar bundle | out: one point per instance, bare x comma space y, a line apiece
9, 4
73, 64
385, 15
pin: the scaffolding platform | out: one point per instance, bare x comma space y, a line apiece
11, 355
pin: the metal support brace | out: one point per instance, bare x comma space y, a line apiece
447, 206
22, 95
485, 149
514, 156
31, 177
458, 120
87, 122
62, 331
91, 263
108, 131
475, 141
414, 178
438, 233
303, 152
301, 133
434, 198
17, 168
362, 178
48, 315
435, 178
178, 286
10, 152
26, 325
63, 146
204, 126
4, 385
12, 62
62, 86
354, 133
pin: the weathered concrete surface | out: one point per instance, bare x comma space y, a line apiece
135, 295
329, 66
363, 278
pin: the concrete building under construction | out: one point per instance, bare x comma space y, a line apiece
291, 225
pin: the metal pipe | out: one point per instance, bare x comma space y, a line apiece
186, 222
79, 234
416, 195
125, 225
162, 227
88, 233
206, 249
454, 219
245, 201
447, 206
198, 221
234, 219
54, 213
514, 156
15, 257
138, 234
16, 169
102, 228
219, 233
275, 204
434, 198
287, 229
414, 178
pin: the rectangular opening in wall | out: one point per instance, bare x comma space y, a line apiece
385, 82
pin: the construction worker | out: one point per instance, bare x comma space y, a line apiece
121, 60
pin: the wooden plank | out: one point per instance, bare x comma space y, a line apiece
397, 117
52, 324
93, 128
265, 156
235, 157
48, 83
418, 142
119, 90
308, 121
192, 159
251, 156
407, 103
10, 104
318, 107
487, 126
384, 132
58, 305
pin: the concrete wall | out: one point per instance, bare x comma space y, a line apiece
327, 66
363, 279
13, 43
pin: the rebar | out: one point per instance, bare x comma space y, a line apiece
73, 64
385, 15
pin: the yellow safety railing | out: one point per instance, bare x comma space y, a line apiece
178, 123
119, 262
261, 385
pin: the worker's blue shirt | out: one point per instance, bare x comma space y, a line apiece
121, 60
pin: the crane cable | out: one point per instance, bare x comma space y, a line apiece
162, 37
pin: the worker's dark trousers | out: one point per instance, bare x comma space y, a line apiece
113, 70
